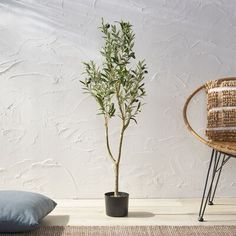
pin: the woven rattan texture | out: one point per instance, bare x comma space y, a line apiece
221, 110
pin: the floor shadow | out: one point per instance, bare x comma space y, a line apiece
224, 204
219, 221
59, 220
177, 214
140, 214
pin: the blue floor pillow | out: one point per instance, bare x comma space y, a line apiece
22, 211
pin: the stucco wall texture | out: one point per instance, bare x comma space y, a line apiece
52, 141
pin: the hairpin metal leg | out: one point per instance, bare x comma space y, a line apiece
217, 175
207, 193
214, 169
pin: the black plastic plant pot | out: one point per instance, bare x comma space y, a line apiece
117, 206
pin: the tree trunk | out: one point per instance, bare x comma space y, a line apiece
116, 167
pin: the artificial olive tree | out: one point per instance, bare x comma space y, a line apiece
117, 87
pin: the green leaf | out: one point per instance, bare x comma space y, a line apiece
99, 99
132, 55
134, 120
82, 82
139, 104
116, 85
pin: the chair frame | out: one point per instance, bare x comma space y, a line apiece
222, 152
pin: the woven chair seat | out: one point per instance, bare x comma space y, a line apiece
225, 147
222, 146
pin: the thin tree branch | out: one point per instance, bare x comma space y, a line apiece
107, 140
119, 104
127, 124
120, 144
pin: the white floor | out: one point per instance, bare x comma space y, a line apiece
144, 212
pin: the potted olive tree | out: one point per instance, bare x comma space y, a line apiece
118, 90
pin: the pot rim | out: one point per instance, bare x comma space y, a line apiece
121, 194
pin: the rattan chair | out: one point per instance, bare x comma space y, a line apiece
221, 153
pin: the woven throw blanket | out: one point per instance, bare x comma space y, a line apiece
221, 110
131, 231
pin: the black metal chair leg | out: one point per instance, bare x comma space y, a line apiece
215, 169
203, 205
217, 180
207, 193
214, 173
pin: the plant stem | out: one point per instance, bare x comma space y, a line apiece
119, 103
120, 144
116, 192
117, 164
107, 141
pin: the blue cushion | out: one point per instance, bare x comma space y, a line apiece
22, 211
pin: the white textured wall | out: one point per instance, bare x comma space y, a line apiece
51, 141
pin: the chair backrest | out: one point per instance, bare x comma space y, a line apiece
225, 147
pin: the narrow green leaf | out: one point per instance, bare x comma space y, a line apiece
134, 120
